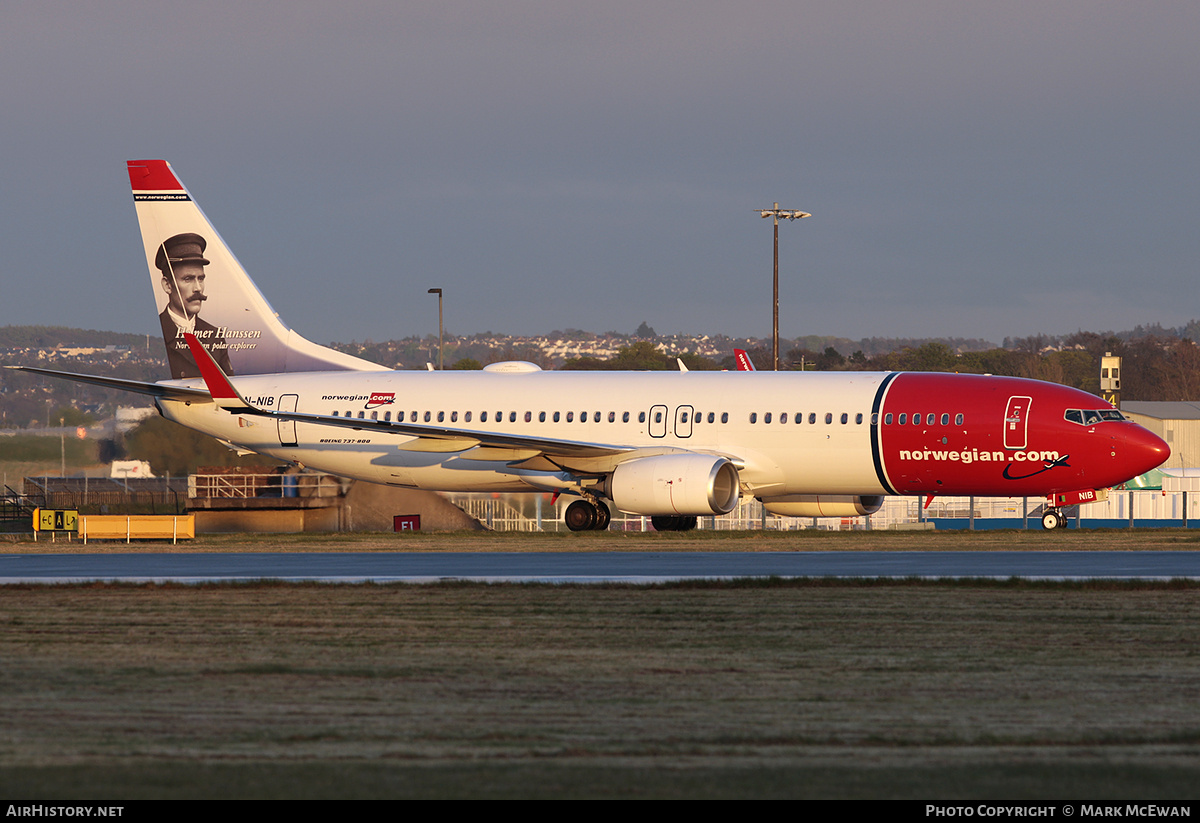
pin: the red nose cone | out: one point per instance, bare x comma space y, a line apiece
1144, 450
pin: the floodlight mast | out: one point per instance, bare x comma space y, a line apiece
786, 214
438, 292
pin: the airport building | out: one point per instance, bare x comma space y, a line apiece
1178, 423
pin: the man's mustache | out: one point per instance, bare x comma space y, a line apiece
197, 297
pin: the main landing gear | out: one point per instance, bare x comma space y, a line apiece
587, 515
593, 515
1052, 519
665, 523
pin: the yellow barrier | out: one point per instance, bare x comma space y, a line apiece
137, 526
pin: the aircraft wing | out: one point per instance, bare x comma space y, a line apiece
463, 438
433, 438
528, 452
167, 392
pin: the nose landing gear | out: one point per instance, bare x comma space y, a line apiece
1052, 519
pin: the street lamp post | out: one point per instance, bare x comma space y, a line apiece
786, 214
438, 292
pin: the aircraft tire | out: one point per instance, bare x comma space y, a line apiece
670, 523
581, 516
662, 523
1051, 520
603, 517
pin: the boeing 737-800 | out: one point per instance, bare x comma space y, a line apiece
671, 445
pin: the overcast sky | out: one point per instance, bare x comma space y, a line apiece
973, 169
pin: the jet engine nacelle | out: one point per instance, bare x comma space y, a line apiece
823, 505
675, 484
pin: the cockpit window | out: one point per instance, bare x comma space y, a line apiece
1090, 417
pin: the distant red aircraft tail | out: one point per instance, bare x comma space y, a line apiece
744, 363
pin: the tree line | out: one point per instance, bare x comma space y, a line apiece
1153, 368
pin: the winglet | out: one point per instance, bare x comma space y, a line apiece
222, 391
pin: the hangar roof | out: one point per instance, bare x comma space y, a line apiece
1162, 409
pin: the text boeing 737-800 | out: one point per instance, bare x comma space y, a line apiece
671, 445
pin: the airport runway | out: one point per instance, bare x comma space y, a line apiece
587, 567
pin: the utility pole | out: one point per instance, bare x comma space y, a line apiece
438, 292
786, 214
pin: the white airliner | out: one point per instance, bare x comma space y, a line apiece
672, 445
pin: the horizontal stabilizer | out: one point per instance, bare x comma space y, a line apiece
165, 391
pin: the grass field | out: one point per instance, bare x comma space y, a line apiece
802, 689
49, 450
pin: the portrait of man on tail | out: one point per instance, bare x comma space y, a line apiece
181, 260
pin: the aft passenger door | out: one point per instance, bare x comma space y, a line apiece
287, 428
